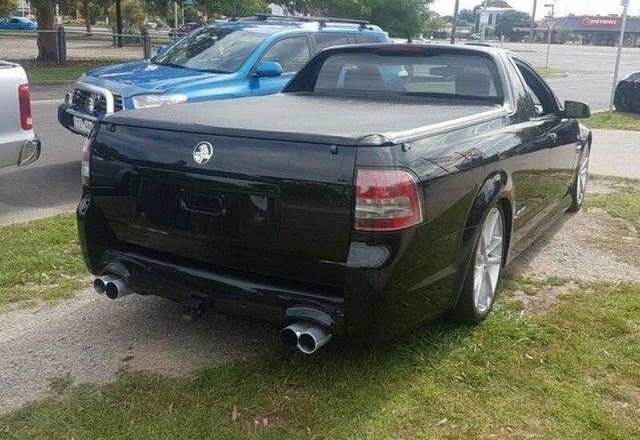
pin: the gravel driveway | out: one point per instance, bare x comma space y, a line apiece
90, 338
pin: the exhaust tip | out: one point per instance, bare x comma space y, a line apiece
288, 338
307, 343
111, 289
99, 286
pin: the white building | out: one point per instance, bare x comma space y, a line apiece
491, 12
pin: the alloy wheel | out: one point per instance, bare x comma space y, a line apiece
583, 175
488, 261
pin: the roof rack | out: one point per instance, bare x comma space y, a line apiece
322, 21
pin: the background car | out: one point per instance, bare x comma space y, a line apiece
18, 24
19, 145
183, 30
627, 98
249, 57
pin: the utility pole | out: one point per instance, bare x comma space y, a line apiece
119, 22
625, 13
533, 22
175, 15
454, 28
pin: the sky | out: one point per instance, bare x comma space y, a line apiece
563, 7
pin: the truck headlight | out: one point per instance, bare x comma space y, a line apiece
144, 101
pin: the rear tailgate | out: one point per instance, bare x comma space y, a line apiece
270, 207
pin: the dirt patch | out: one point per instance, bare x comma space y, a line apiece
587, 246
540, 300
90, 338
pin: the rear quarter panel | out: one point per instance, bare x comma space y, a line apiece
11, 134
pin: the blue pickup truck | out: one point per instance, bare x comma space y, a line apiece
248, 57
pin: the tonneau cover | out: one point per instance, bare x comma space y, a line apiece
316, 118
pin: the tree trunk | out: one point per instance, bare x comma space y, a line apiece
86, 11
47, 40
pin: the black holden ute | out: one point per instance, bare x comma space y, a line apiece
386, 185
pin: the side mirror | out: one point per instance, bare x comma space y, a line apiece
577, 110
161, 50
268, 69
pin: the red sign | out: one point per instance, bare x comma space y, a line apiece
601, 22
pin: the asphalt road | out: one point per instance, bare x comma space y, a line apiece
52, 184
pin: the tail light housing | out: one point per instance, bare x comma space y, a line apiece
386, 200
24, 97
86, 161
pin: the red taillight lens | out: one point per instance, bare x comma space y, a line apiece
86, 161
386, 200
26, 121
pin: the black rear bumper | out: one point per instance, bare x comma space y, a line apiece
376, 301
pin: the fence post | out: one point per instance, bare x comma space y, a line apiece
62, 46
146, 46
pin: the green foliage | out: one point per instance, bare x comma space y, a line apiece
401, 18
510, 20
617, 121
467, 15
233, 8
133, 13
7, 7
563, 35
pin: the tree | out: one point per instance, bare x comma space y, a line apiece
401, 18
563, 35
467, 15
133, 12
47, 41
7, 7
512, 19
233, 8
88, 7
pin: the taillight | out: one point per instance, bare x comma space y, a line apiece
386, 200
86, 161
26, 121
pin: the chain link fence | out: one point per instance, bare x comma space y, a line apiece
75, 45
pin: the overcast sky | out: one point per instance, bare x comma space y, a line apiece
563, 7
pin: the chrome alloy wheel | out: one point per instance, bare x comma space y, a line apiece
488, 261
583, 175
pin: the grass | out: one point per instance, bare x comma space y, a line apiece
40, 260
617, 121
623, 203
52, 73
548, 72
571, 374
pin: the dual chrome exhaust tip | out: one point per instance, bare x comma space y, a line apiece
111, 285
307, 337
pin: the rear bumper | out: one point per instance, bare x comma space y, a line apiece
382, 295
20, 153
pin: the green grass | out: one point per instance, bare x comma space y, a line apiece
617, 121
40, 260
71, 72
624, 203
548, 72
571, 374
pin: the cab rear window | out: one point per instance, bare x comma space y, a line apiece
442, 75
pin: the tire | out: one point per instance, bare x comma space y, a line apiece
483, 278
579, 189
621, 99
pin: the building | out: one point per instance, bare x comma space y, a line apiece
592, 30
491, 10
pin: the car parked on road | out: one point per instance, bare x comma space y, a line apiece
386, 185
19, 145
627, 97
18, 24
249, 57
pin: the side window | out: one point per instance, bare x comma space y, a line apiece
542, 98
329, 40
366, 39
292, 53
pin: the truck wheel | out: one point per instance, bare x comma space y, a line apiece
579, 190
480, 287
